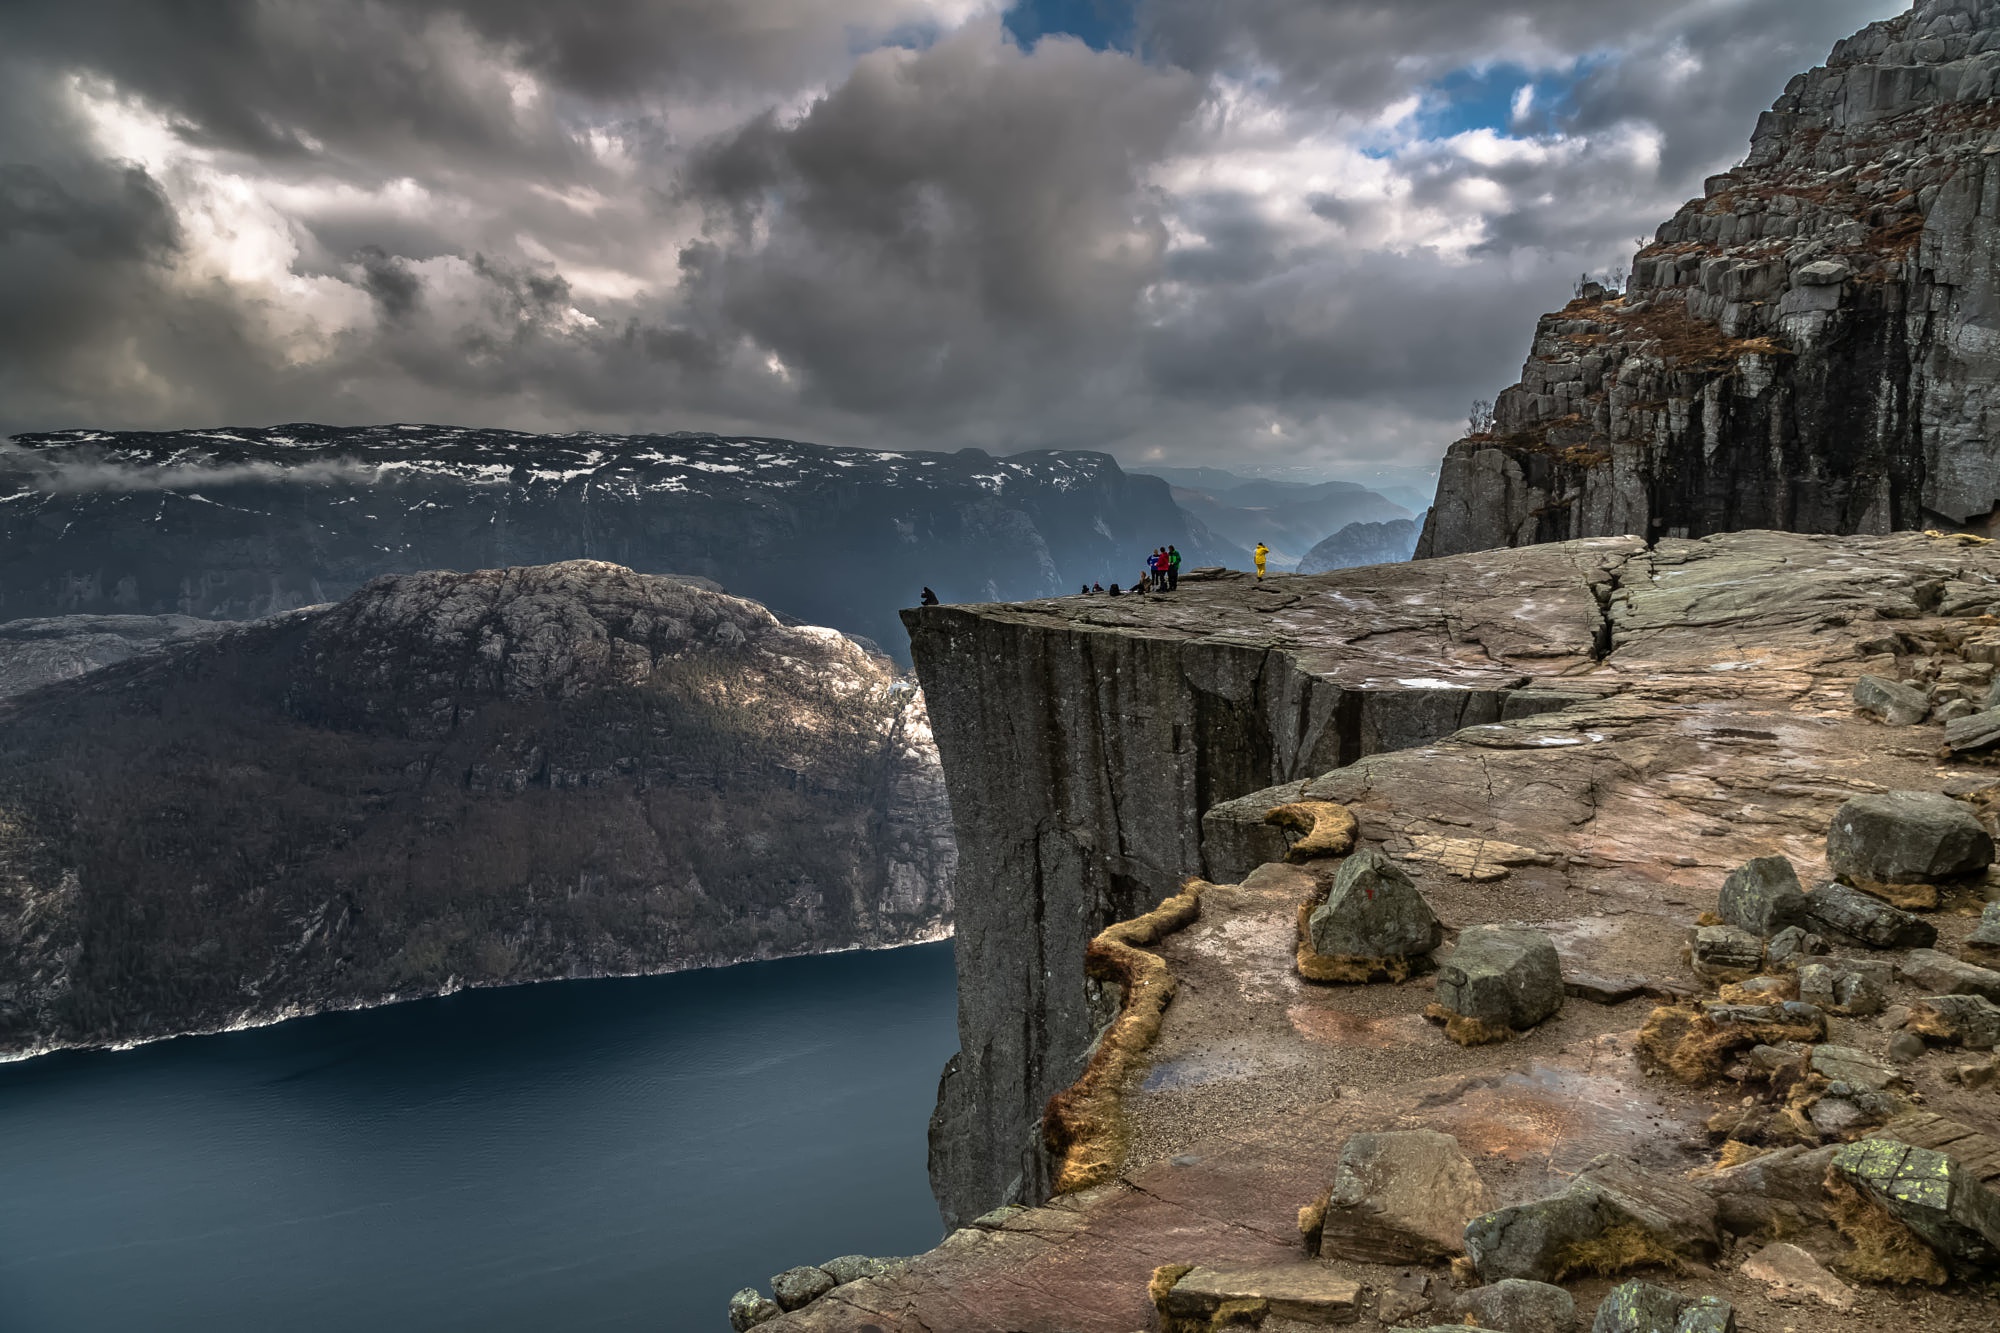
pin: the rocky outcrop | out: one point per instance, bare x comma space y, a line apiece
450, 780
34, 653
234, 524
1806, 347
1363, 544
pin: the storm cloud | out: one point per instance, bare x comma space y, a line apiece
1272, 232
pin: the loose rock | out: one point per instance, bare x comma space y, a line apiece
1844, 1064
1791, 945
1498, 979
1308, 1292
1969, 735
1840, 910
1398, 1198
796, 1287
1931, 1194
1373, 914
1614, 1216
1516, 1306
854, 1267
1946, 975
1726, 953
1857, 994
1906, 837
1763, 896
751, 1307
1794, 1275
1972, 1021
1983, 944
1647, 1307
1895, 703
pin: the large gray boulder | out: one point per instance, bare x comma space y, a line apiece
1897, 704
1906, 837
1502, 977
1399, 1198
1763, 896
1373, 911
1647, 1307
1660, 1219
1945, 975
1931, 1194
1513, 1305
1866, 919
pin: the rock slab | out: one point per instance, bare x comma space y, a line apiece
1401, 1198
1659, 1217
1308, 1292
1907, 837
1840, 910
1647, 1307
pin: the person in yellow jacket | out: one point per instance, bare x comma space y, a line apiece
1262, 552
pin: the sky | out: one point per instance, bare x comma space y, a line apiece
1266, 234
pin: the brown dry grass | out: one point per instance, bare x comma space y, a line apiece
1677, 336
1734, 1152
1083, 1126
1737, 993
1343, 970
1617, 1249
1312, 1222
1884, 1249
1467, 1031
1681, 1041
1909, 897
1329, 829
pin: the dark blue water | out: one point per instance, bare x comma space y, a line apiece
617, 1155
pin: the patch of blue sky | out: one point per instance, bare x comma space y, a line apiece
1505, 98
1099, 24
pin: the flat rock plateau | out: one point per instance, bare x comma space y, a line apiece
1584, 738
446, 780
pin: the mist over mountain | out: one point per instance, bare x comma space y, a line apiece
236, 524
1289, 517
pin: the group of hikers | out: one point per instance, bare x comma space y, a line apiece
1163, 574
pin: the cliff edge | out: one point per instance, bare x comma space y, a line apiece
1807, 347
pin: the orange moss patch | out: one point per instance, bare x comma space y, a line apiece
1909, 897
1467, 1031
1342, 969
1083, 1126
1328, 829
1685, 1043
1884, 1249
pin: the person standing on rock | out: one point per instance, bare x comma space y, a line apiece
1173, 569
1262, 553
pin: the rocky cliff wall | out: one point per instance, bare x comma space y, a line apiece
1084, 739
451, 780
1807, 347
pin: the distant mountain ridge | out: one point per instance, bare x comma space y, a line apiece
1288, 517
240, 523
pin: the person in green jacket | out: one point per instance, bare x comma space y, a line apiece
1173, 568
1262, 553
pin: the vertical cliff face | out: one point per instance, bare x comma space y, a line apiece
1808, 347
1084, 739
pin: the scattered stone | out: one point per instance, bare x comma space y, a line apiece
1308, 1292
1840, 910
1794, 1275
1399, 1198
751, 1307
1905, 1046
1975, 1077
1844, 1108
1931, 1194
796, 1287
1906, 837
1838, 990
1986, 935
1499, 979
1478, 859
1605, 990
854, 1267
1844, 1064
1726, 953
1946, 975
1763, 896
1777, 1193
1614, 1216
1971, 1021
1373, 920
1954, 709
1516, 1306
1892, 701
1968, 735
1791, 944
1894, 1017
1693, 1043
1647, 1307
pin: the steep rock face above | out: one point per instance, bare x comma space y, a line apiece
449, 780
1808, 347
243, 523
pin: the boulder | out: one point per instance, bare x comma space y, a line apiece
1931, 1194
1513, 1305
1945, 975
1373, 912
1794, 1275
1840, 910
1613, 1216
751, 1307
1844, 1064
797, 1287
1984, 941
1776, 1194
1399, 1198
1792, 944
1839, 990
853, 1267
1726, 953
1647, 1307
1972, 1021
1969, 735
1906, 837
1763, 897
1892, 701
1308, 1292
1502, 977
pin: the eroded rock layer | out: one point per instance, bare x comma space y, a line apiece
1808, 347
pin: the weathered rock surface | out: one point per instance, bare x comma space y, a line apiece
1654, 1219
1373, 911
1932, 1194
1502, 976
1986, 935
1945, 975
750, 1307
1907, 837
599, 772
1840, 910
1400, 1198
1724, 953
1839, 990
1805, 347
796, 1287
1763, 896
1974, 733
1647, 1307
1894, 702
40, 652
1965, 1020
1306, 1292
1517, 1306
1794, 1275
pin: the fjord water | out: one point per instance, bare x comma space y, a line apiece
614, 1155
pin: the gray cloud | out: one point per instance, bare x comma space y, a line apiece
750, 215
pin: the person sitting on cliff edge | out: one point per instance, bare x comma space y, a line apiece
930, 598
